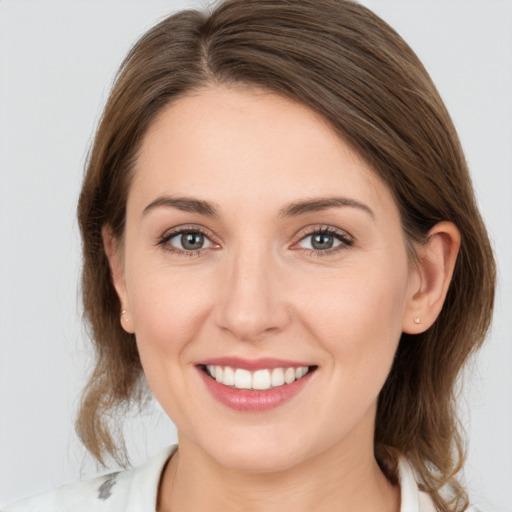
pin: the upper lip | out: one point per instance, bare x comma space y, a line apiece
252, 364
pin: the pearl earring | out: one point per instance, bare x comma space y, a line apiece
417, 320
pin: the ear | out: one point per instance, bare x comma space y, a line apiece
431, 277
114, 253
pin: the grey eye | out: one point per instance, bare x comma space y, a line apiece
190, 241
321, 241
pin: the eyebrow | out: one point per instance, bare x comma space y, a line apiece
295, 209
306, 206
185, 204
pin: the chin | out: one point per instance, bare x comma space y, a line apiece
256, 453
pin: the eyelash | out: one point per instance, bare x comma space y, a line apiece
343, 237
163, 242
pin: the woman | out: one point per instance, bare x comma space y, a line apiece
281, 239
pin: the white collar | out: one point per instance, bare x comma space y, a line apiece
412, 499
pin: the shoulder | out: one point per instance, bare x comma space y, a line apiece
124, 491
412, 498
96, 494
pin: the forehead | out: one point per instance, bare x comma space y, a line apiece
239, 145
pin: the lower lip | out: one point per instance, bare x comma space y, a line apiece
253, 400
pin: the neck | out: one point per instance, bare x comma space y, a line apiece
337, 480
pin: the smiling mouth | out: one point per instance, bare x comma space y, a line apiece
259, 380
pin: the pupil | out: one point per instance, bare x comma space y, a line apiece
192, 241
321, 241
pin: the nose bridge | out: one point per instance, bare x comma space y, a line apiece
253, 303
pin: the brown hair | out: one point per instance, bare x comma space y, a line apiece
341, 60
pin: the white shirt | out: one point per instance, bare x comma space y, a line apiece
136, 490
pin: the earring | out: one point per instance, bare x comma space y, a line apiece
417, 320
123, 312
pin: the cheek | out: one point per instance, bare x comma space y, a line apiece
167, 308
357, 317
169, 312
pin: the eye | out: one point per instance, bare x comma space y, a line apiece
190, 241
325, 240
186, 241
319, 242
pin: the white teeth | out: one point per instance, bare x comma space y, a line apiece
277, 377
260, 379
289, 375
300, 372
242, 379
229, 376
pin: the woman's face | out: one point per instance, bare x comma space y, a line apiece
256, 240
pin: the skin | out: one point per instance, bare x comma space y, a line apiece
256, 289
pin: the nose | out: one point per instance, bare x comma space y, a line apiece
253, 301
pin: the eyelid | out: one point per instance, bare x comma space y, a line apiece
323, 228
347, 240
187, 228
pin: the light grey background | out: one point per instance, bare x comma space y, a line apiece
57, 61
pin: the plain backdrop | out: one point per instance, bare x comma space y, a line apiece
57, 61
